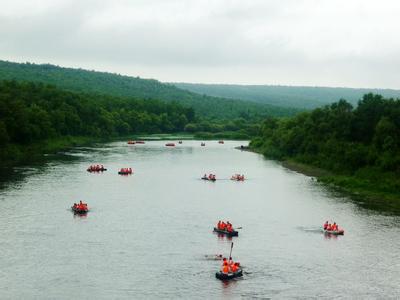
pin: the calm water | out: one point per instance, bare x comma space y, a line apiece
147, 235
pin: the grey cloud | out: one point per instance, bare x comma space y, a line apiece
286, 42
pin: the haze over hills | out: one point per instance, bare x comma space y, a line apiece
79, 80
301, 97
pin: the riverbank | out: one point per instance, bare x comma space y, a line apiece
369, 186
13, 154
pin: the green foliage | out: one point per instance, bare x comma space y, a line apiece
79, 80
347, 141
299, 97
35, 112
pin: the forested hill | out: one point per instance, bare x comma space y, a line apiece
286, 96
79, 80
360, 145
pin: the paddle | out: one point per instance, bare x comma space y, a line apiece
239, 227
230, 254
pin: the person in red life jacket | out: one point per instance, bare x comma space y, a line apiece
326, 225
223, 225
234, 267
229, 227
329, 228
230, 263
225, 266
130, 170
219, 225
334, 226
75, 206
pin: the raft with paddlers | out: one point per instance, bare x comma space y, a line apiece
96, 169
203, 144
140, 142
332, 229
80, 208
210, 177
125, 171
131, 142
170, 144
220, 142
229, 269
225, 228
237, 177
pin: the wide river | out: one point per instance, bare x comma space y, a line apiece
147, 235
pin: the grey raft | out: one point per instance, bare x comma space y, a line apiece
231, 233
229, 276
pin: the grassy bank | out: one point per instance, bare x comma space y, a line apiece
368, 184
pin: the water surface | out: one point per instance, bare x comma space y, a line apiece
147, 235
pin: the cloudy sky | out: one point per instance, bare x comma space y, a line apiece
353, 43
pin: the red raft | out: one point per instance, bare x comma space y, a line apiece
170, 144
96, 168
80, 208
125, 171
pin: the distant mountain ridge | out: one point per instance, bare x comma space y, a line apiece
79, 80
286, 96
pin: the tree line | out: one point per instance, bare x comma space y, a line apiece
79, 80
362, 141
31, 112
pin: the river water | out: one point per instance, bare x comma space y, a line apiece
147, 234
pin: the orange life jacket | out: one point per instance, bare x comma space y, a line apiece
234, 268
225, 269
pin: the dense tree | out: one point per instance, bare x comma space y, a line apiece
338, 137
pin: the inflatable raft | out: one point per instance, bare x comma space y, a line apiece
232, 233
96, 170
229, 276
335, 232
78, 210
170, 144
124, 173
206, 178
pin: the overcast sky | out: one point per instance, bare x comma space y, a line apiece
353, 43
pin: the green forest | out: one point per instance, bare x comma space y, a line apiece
300, 97
32, 113
84, 81
360, 146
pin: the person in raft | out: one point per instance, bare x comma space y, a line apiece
331, 227
221, 225
229, 266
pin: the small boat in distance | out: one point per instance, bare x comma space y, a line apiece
125, 171
210, 177
80, 208
180, 142
203, 144
131, 142
140, 142
170, 144
237, 177
96, 168
220, 142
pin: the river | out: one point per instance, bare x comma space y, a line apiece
147, 235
